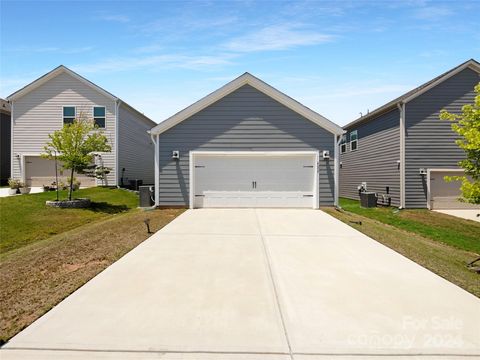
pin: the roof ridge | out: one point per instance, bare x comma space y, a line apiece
408, 94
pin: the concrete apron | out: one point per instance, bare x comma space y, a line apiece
251, 284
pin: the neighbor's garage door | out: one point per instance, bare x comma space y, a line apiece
40, 171
443, 194
254, 180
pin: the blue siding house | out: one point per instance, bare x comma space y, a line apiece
402, 150
246, 145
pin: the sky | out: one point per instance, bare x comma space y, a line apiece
340, 58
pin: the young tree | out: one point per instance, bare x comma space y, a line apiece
74, 146
467, 125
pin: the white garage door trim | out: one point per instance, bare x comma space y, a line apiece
194, 154
429, 172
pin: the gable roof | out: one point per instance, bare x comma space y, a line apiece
412, 94
63, 69
261, 86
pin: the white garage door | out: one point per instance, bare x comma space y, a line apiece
443, 194
255, 179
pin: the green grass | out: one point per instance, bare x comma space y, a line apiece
38, 276
25, 219
456, 232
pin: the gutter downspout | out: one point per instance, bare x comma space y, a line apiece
117, 108
337, 140
12, 123
401, 108
157, 168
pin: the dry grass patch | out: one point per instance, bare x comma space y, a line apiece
38, 276
447, 261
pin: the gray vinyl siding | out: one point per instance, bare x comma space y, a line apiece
429, 141
375, 160
39, 113
245, 120
135, 150
5, 135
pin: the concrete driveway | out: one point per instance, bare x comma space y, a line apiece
257, 284
469, 214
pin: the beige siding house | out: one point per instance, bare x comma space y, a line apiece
56, 98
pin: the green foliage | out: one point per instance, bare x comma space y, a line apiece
467, 125
14, 183
99, 172
74, 146
65, 186
29, 220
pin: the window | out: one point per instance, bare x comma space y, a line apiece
343, 144
99, 116
68, 114
353, 140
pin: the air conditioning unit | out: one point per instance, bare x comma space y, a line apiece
326, 154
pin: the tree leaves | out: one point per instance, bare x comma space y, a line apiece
467, 125
75, 144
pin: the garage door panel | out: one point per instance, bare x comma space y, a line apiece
40, 171
443, 194
254, 180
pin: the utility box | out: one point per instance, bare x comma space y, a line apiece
146, 196
135, 184
368, 199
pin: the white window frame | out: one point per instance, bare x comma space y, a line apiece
343, 142
105, 116
352, 141
74, 115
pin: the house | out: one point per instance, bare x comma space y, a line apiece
246, 145
402, 150
5, 135
58, 97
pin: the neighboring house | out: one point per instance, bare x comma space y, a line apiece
402, 150
5, 135
58, 97
246, 145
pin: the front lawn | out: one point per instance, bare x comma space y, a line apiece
456, 232
24, 219
36, 277
438, 242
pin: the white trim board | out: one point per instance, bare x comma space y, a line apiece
247, 79
401, 108
471, 64
314, 154
50, 75
63, 69
389, 106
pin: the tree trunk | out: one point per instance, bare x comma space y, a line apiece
70, 188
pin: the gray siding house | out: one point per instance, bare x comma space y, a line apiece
5, 136
246, 145
402, 150
56, 98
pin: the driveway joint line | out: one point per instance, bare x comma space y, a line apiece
147, 351
275, 291
19, 348
272, 234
